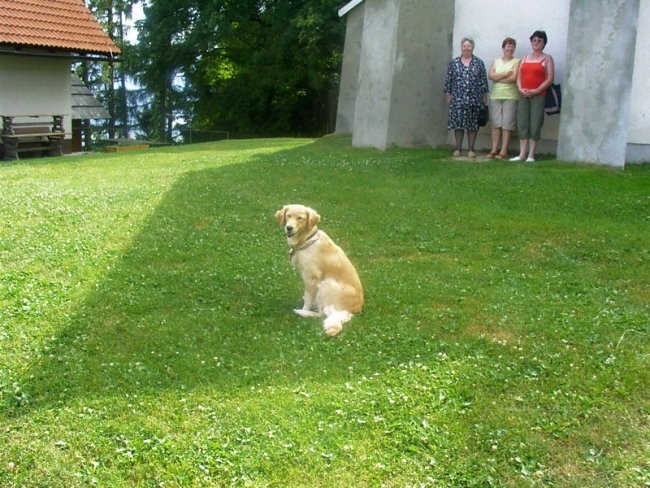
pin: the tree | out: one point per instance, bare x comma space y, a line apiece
253, 67
277, 68
102, 76
161, 54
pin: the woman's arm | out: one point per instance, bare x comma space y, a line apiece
512, 76
483, 82
501, 77
493, 73
449, 81
518, 79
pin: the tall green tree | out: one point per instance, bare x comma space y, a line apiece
253, 67
161, 54
108, 79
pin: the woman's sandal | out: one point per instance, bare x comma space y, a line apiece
492, 155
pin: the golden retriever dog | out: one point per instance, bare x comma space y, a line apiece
332, 285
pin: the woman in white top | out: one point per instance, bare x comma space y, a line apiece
503, 98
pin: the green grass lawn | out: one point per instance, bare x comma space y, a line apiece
147, 336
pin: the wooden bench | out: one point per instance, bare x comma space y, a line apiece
44, 135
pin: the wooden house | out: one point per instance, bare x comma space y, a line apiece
39, 42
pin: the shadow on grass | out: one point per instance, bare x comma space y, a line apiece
204, 297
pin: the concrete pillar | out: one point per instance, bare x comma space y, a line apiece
396, 56
594, 122
375, 81
350, 70
418, 114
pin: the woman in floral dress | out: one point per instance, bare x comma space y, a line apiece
466, 89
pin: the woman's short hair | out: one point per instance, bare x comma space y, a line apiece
508, 40
467, 39
540, 34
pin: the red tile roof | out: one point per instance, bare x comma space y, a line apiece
54, 24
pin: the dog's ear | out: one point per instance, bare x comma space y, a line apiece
313, 217
281, 215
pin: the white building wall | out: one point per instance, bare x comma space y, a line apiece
640, 109
35, 85
488, 23
639, 116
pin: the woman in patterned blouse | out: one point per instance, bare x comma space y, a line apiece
466, 89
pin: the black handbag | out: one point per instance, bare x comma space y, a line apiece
483, 116
553, 101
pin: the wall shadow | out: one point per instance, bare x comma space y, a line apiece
203, 297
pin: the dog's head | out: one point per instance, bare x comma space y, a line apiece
298, 221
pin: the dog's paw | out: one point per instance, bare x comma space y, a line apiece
306, 313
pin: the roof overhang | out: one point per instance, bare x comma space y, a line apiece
66, 26
349, 6
84, 103
19, 50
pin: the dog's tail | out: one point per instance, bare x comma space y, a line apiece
333, 324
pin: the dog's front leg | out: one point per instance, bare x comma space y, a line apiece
309, 308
